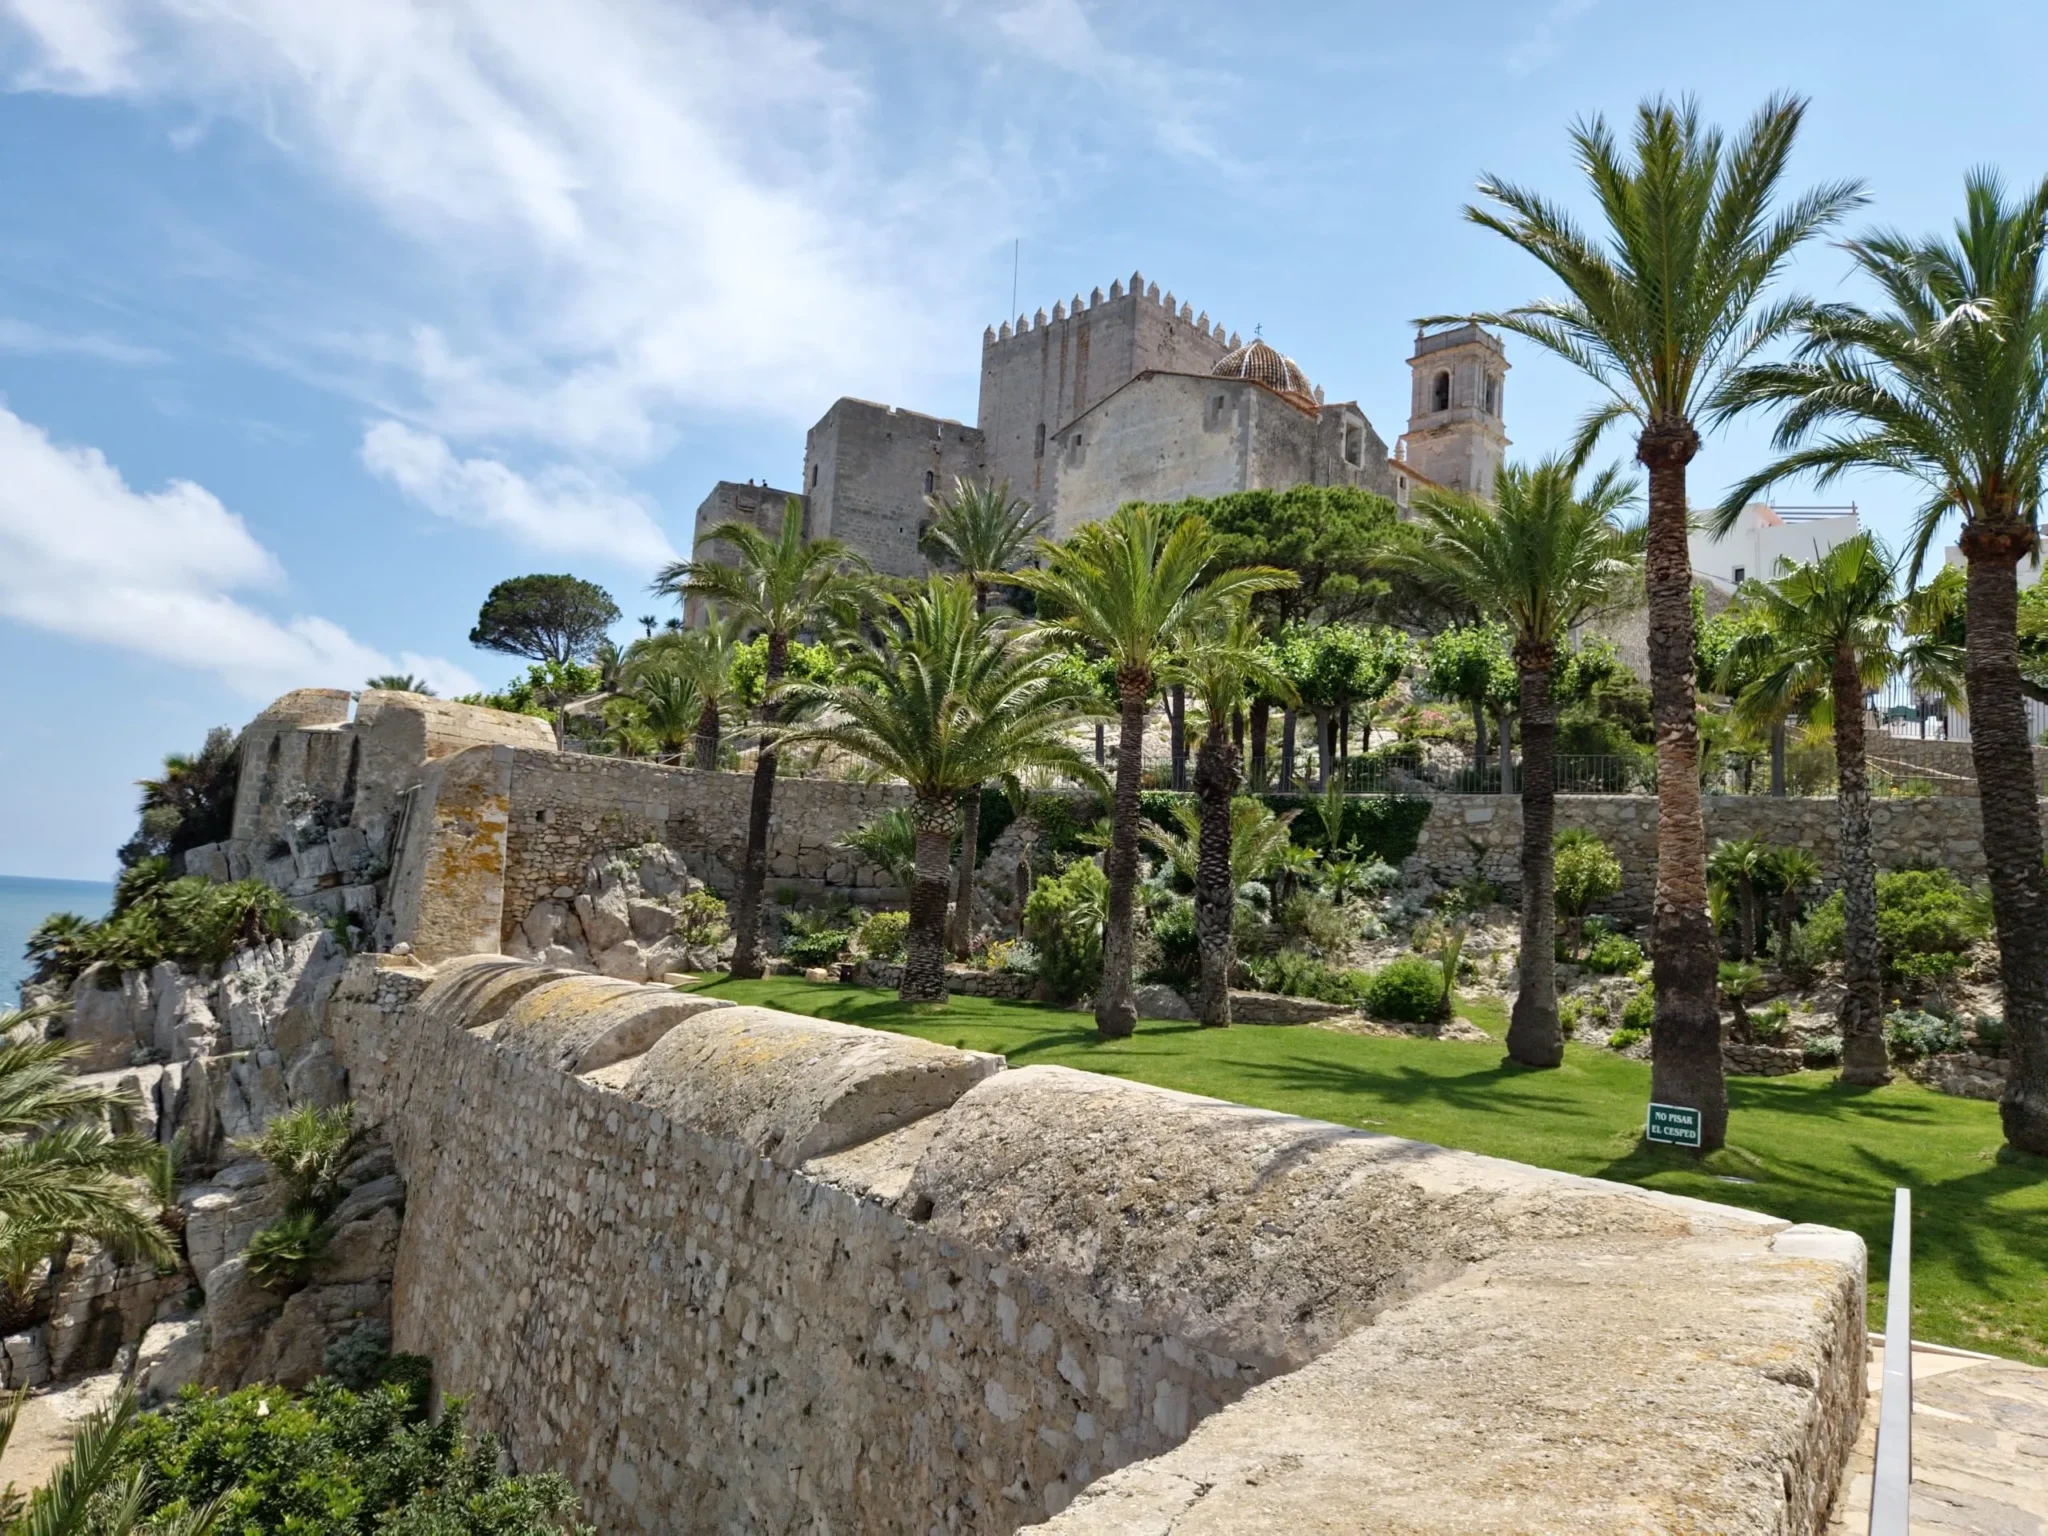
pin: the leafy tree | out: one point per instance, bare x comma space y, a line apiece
191, 803
1659, 314
1330, 536
545, 618
399, 682
1546, 555
982, 530
781, 588
1133, 587
1474, 664
1331, 667
946, 698
1827, 635
1584, 870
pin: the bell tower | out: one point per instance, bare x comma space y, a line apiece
1455, 432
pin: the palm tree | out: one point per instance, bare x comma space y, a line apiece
1947, 383
1133, 586
399, 682
670, 705
1658, 316
1545, 557
1827, 638
61, 1170
986, 532
780, 587
983, 530
1741, 864
945, 697
1225, 660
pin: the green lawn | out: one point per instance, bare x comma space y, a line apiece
1802, 1147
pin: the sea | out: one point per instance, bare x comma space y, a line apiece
24, 903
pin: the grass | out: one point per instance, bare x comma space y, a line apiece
1803, 1147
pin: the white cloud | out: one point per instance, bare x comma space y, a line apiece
633, 209
561, 511
83, 555
29, 339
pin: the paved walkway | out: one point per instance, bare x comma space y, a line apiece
1980, 1449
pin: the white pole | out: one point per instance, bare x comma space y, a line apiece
1892, 1470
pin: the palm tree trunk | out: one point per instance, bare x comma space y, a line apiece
1534, 1036
1745, 910
1262, 713
1116, 1011
746, 907
963, 887
2008, 801
924, 964
707, 737
1685, 1032
1862, 1011
1177, 733
1217, 778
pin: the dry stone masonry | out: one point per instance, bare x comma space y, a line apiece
771, 1273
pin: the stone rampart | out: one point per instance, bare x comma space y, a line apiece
1483, 833
773, 1273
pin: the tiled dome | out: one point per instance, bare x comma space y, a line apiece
1261, 364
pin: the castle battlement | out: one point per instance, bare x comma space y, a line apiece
1139, 292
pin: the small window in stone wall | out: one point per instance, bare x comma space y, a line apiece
1492, 388
931, 482
1440, 396
1039, 451
814, 477
1354, 445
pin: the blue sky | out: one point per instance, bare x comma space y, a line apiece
318, 319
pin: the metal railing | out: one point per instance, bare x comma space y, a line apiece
1891, 1473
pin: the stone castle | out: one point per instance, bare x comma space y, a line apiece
1131, 397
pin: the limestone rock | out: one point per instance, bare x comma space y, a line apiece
623, 961
292, 1349
108, 1021
543, 925
650, 920
98, 1304
365, 1249
1157, 1001
209, 860
239, 1313
182, 1022
222, 1215
379, 1194
252, 1092
24, 1360
603, 918
316, 1078
169, 1356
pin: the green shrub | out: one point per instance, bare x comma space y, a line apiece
339, 1463
1912, 1034
1297, 974
1613, 955
1821, 1050
1823, 932
1180, 951
701, 920
190, 921
1410, 989
1317, 920
884, 935
1927, 920
308, 1148
1640, 1009
1626, 1036
1770, 1025
1586, 871
1569, 1011
814, 941
1989, 1028
1385, 827
1063, 917
282, 1254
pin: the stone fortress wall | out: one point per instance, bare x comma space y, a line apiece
735, 1270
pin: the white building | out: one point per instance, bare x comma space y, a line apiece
1762, 536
